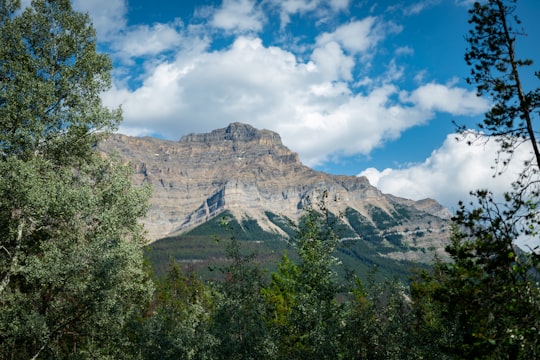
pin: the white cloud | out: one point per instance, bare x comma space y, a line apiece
420, 76
393, 72
291, 7
315, 101
356, 37
109, 20
312, 103
450, 173
320, 9
332, 62
412, 8
144, 40
238, 16
404, 50
338, 5
450, 99
418, 7
202, 90
108, 16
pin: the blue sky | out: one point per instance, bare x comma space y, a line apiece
355, 87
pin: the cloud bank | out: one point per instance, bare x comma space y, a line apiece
320, 94
451, 172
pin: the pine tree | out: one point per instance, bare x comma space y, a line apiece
485, 300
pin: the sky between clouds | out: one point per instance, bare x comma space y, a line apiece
355, 87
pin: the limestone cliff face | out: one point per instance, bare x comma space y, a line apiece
250, 172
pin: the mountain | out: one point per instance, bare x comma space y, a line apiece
252, 177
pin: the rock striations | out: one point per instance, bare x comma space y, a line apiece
250, 173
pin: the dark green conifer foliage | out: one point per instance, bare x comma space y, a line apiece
238, 320
497, 72
176, 324
484, 302
304, 315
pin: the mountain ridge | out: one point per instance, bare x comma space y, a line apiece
250, 173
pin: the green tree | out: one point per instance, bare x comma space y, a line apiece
379, 322
51, 78
304, 316
176, 325
483, 301
238, 320
497, 71
71, 265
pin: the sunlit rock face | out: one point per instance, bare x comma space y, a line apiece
251, 173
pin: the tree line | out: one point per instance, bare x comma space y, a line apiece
74, 283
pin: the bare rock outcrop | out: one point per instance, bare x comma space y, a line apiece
250, 173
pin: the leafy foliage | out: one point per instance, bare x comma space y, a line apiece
176, 324
51, 78
71, 264
73, 283
485, 299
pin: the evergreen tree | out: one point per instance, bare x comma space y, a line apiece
176, 324
238, 320
497, 71
379, 323
485, 301
304, 316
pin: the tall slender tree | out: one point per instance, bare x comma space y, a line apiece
303, 313
497, 72
486, 298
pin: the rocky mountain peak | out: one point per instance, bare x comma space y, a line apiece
235, 133
252, 175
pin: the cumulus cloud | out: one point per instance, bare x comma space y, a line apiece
315, 100
108, 16
332, 62
355, 37
447, 98
321, 8
451, 172
310, 103
145, 40
319, 100
238, 16
359, 36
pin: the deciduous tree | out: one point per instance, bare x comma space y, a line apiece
71, 269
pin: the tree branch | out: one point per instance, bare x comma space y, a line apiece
515, 73
14, 257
